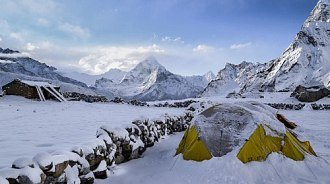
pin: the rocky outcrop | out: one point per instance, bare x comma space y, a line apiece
310, 94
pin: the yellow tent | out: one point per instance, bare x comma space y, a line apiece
221, 128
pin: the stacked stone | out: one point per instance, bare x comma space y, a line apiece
285, 106
94, 159
320, 106
183, 104
73, 96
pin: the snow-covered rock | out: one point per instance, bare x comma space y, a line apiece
305, 62
23, 162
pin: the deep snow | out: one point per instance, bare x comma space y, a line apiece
28, 127
160, 166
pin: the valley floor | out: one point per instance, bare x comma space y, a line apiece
160, 166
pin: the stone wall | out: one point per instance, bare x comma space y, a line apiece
94, 160
299, 106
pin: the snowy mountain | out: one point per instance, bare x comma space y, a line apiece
305, 62
16, 65
115, 75
232, 78
151, 81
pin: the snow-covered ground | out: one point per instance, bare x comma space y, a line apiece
28, 127
160, 166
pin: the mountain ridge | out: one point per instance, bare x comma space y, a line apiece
305, 62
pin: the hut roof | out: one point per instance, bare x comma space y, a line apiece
37, 83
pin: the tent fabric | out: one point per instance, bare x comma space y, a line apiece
192, 147
294, 148
259, 146
251, 127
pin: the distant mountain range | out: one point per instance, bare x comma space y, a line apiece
149, 80
305, 62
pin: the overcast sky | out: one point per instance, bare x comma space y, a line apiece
186, 36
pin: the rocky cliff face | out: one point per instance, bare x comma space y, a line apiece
305, 62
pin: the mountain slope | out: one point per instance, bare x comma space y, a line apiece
115, 75
305, 62
15, 65
232, 79
151, 81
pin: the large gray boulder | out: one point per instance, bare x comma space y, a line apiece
310, 94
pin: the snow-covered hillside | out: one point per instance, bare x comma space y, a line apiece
115, 75
149, 80
305, 62
16, 65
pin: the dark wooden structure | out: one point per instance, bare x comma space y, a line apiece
28, 89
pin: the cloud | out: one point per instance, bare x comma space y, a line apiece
17, 36
173, 40
42, 22
241, 45
203, 48
104, 58
0, 39
74, 30
28, 7
30, 47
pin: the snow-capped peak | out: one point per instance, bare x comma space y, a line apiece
148, 63
209, 76
305, 62
321, 12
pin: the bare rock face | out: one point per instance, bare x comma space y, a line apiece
310, 94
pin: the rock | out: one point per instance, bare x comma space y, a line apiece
30, 175
94, 160
101, 172
22, 162
44, 161
60, 163
72, 174
87, 179
10, 174
310, 94
24, 180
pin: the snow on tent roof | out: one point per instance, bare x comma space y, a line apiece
228, 125
37, 83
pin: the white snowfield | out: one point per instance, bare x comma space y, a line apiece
28, 127
160, 166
